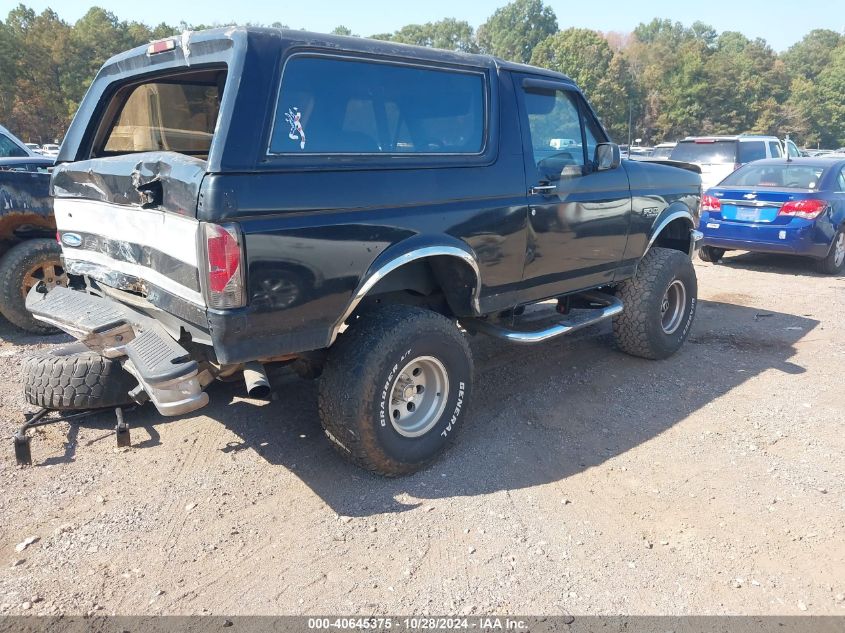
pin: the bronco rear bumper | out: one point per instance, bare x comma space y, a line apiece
164, 369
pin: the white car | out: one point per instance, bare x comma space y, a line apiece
50, 149
720, 156
662, 150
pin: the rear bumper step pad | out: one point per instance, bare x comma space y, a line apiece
164, 368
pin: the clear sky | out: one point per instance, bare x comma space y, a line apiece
781, 22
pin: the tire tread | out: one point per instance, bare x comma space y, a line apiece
69, 379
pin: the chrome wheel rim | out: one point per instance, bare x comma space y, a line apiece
51, 273
839, 250
672, 306
418, 396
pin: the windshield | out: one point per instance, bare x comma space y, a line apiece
784, 176
10, 149
662, 152
705, 153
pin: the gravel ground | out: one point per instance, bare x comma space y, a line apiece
585, 481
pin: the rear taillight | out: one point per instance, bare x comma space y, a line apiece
710, 203
224, 272
808, 209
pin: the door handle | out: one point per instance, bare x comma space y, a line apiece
542, 189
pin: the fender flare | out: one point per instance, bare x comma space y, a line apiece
670, 214
404, 253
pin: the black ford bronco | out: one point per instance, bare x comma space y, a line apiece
241, 197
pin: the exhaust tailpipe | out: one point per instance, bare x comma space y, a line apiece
257, 383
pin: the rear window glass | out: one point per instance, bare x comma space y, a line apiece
706, 153
751, 150
358, 107
783, 176
177, 116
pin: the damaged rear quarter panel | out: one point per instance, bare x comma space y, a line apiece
166, 180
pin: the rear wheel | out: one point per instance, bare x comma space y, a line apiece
395, 388
711, 254
24, 266
834, 263
659, 304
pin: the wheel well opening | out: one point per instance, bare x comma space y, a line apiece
443, 283
675, 235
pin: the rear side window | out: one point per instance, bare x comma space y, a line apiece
343, 106
751, 150
176, 114
705, 152
774, 149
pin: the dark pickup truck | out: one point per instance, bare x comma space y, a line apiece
29, 253
241, 197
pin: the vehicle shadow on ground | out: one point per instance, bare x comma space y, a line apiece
767, 262
12, 334
539, 415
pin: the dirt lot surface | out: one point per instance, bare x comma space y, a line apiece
585, 481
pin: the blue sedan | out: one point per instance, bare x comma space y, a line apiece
795, 207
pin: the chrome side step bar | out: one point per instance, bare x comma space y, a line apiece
611, 307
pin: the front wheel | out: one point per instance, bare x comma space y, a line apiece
659, 304
834, 263
395, 389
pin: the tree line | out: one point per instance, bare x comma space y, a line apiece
662, 81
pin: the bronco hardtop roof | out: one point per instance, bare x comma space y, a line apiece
342, 43
195, 50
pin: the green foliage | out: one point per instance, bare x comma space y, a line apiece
666, 79
513, 31
601, 73
449, 34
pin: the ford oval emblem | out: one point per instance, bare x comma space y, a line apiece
71, 239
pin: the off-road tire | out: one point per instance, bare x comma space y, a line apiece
73, 377
638, 330
711, 254
14, 266
829, 265
355, 397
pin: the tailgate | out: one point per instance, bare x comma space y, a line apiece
127, 221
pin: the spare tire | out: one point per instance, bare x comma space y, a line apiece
72, 377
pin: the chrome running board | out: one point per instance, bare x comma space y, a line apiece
610, 308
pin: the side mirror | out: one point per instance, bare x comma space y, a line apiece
607, 156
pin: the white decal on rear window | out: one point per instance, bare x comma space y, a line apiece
297, 132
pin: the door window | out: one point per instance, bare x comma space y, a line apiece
774, 149
593, 135
554, 124
840, 182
